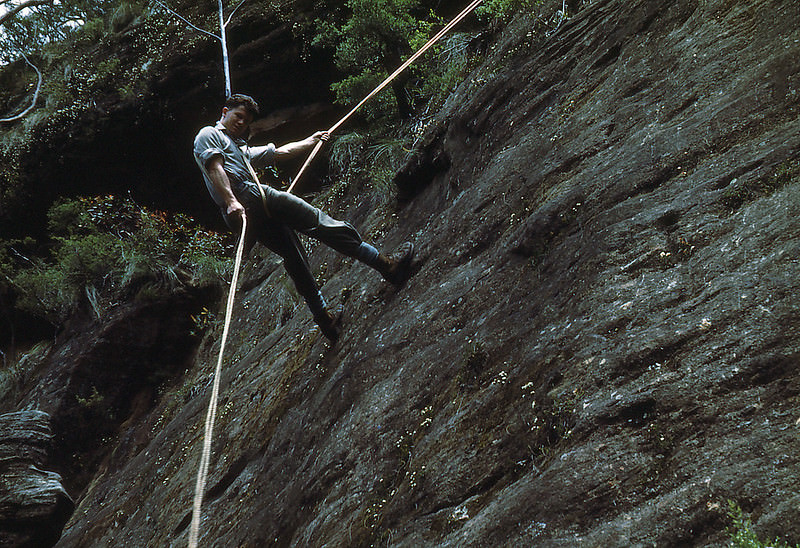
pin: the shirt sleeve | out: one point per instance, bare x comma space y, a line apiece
207, 144
262, 156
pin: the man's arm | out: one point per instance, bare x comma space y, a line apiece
290, 150
218, 177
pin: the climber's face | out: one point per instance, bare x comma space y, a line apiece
237, 121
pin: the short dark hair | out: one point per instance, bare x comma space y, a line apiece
241, 100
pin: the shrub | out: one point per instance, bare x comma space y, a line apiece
374, 157
374, 40
739, 193
101, 248
744, 536
505, 9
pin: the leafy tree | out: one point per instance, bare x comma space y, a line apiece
373, 40
27, 26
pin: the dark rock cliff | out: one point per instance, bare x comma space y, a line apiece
600, 343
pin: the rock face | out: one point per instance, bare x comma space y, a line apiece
103, 375
599, 347
33, 504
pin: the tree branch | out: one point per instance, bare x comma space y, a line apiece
179, 16
234, 11
35, 95
16, 9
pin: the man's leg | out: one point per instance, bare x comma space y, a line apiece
339, 235
283, 241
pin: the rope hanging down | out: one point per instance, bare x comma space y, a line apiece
202, 472
466, 11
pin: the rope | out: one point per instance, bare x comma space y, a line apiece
202, 473
254, 175
466, 11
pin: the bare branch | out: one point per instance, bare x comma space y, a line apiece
35, 95
179, 16
16, 9
223, 23
234, 11
226, 65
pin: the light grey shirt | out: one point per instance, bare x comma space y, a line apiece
214, 141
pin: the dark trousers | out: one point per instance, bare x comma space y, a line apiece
277, 229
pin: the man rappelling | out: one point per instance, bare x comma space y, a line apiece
225, 160
274, 217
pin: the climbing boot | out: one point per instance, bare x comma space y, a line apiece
396, 268
328, 323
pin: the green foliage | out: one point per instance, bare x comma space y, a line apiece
474, 362
88, 260
43, 290
384, 158
373, 157
76, 47
95, 399
91, 31
107, 69
356, 86
6, 269
371, 38
11, 186
451, 64
505, 9
103, 248
371, 42
373, 32
737, 193
744, 536
51, 22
